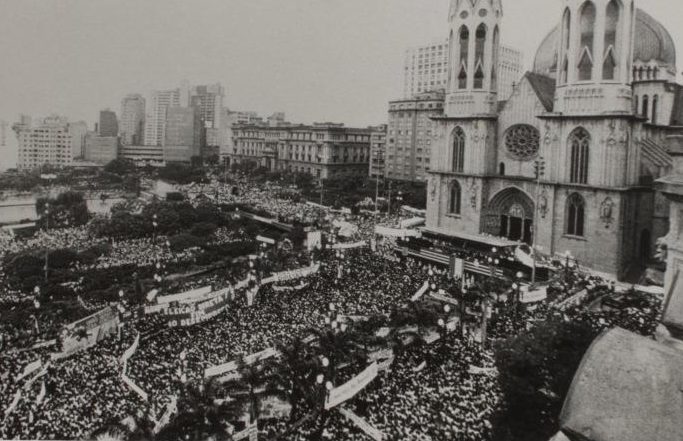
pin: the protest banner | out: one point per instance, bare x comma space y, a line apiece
88, 331
248, 360
264, 239
420, 292
13, 405
444, 299
363, 425
41, 394
314, 239
171, 410
396, 232
185, 297
349, 389
134, 387
29, 369
131, 350
475, 370
349, 246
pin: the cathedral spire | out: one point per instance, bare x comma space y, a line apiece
473, 57
594, 56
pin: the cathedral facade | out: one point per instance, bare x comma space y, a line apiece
567, 163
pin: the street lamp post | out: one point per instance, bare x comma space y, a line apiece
155, 224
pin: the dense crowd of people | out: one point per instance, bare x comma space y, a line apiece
431, 391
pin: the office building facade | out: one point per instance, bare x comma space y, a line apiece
46, 143
155, 121
109, 124
132, 126
183, 133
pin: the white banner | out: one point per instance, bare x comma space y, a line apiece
420, 292
285, 276
134, 387
298, 287
131, 350
444, 299
264, 239
475, 370
349, 389
314, 239
41, 394
348, 246
171, 409
396, 232
185, 297
412, 222
535, 296
363, 425
232, 365
15, 402
29, 369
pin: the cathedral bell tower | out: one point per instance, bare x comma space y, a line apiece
594, 57
473, 57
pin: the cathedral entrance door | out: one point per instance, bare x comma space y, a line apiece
510, 215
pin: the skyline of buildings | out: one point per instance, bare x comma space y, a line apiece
425, 69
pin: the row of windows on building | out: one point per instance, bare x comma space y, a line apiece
644, 109
579, 153
574, 217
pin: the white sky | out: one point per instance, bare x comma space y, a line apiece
316, 60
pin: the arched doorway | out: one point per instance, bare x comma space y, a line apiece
510, 214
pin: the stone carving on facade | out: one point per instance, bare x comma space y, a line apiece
543, 204
432, 191
607, 212
549, 137
473, 195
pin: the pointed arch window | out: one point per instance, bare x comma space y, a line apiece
655, 103
454, 198
464, 55
480, 40
579, 146
611, 56
566, 39
458, 163
587, 28
635, 105
646, 104
576, 210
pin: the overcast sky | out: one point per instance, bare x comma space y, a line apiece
316, 60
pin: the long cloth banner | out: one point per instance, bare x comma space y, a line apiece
420, 292
131, 350
285, 276
29, 369
232, 365
185, 297
137, 389
171, 409
349, 389
363, 425
396, 232
348, 246
15, 402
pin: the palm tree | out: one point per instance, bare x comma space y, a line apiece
202, 414
291, 372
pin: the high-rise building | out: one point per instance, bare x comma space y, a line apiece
183, 134
425, 69
109, 125
100, 149
132, 128
208, 100
49, 142
78, 131
410, 135
378, 144
155, 121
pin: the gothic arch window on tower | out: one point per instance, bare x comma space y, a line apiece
646, 105
464, 54
587, 28
655, 103
576, 208
579, 146
454, 198
609, 64
566, 39
458, 150
655, 73
635, 105
480, 40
